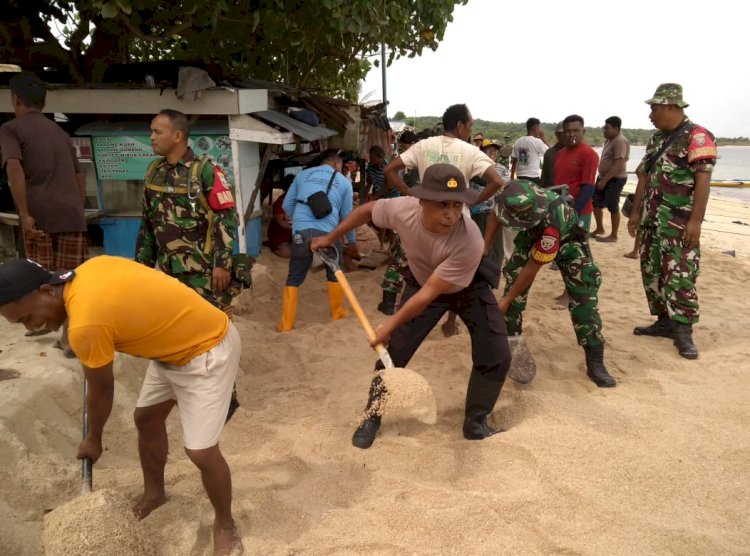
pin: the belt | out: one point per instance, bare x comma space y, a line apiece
179, 190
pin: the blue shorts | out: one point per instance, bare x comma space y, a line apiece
609, 197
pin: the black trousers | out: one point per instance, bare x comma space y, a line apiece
477, 307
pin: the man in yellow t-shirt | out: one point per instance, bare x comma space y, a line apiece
113, 304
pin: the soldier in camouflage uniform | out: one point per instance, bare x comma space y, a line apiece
189, 223
393, 277
669, 205
549, 229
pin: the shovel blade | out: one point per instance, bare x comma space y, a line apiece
409, 393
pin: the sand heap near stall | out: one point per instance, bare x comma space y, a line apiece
96, 524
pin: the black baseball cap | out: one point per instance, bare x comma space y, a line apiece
19, 277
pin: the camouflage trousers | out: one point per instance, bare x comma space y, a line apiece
582, 279
393, 278
201, 283
669, 271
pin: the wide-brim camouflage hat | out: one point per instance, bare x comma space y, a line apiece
444, 182
521, 205
668, 93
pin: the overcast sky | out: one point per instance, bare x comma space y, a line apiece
510, 60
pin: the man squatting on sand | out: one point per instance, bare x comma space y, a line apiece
114, 304
444, 249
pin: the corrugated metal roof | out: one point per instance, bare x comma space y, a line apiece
307, 132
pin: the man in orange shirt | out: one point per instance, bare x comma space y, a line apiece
113, 304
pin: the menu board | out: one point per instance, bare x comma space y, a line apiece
122, 158
128, 157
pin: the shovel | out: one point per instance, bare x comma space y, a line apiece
87, 467
404, 388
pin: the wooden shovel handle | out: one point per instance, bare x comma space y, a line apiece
379, 348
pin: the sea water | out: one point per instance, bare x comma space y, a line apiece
733, 164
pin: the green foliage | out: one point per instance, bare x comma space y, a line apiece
593, 136
318, 45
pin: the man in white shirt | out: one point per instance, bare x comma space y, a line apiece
452, 147
526, 158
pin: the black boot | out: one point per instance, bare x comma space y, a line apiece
388, 305
595, 368
364, 436
683, 339
481, 395
664, 327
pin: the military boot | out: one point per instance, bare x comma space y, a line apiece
664, 327
595, 368
388, 305
481, 395
683, 339
364, 436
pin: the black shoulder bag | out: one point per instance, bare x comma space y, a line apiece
319, 203
649, 165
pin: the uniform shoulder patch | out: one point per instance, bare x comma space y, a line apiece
221, 197
702, 145
546, 247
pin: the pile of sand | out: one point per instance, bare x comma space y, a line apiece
96, 524
657, 465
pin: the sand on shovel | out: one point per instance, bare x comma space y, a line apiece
100, 523
406, 392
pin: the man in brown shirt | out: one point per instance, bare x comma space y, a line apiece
612, 177
47, 184
444, 248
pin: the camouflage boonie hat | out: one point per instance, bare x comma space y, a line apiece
521, 205
668, 93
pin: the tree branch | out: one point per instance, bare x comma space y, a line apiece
176, 30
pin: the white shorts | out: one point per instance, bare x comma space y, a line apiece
202, 389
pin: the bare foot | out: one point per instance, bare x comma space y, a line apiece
608, 239
597, 233
227, 541
147, 505
631, 255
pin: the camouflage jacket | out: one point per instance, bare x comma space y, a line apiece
559, 226
668, 197
179, 236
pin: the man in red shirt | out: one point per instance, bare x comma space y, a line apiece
576, 166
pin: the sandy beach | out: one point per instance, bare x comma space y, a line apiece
658, 465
